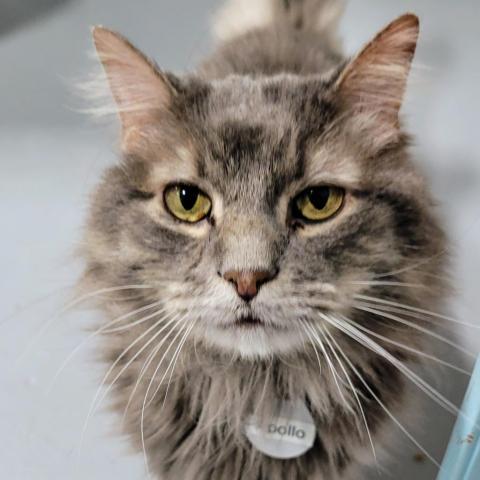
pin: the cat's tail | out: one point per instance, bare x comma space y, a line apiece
237, 17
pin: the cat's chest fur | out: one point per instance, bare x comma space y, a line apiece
194, 428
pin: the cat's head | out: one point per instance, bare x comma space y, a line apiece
249, 205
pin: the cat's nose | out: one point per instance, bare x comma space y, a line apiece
247, 283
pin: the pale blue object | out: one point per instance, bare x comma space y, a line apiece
462, 459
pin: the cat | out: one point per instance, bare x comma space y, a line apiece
264, 238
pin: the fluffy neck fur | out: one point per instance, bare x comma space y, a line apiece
194, 428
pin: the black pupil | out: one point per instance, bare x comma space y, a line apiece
319, 197
188, 197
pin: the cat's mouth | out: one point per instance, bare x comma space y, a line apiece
244, 322
251, 322
248, 321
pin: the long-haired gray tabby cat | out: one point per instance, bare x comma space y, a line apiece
263, 239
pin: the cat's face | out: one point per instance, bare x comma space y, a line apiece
248, 169
247, 206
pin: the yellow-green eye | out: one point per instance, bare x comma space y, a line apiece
187, 203
318, 203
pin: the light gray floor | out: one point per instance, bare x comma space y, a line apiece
50, 157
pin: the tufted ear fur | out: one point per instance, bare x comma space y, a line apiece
373, 83
142, 93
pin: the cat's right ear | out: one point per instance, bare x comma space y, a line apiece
142, 93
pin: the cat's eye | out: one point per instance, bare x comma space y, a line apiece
187, 203
316, 204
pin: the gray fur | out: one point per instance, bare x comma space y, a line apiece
253, 127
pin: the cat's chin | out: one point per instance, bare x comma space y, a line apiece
252, 339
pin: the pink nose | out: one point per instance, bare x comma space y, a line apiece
248, 283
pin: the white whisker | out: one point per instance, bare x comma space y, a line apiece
407, 348
425, 387
309, 336
388, 283
142, 417
412, 267
384, 408
353, 389
68, 307
408, 313
148, 362
143, 370
106, 329
172, 360
416, 327
94, 403
176, 356
415, 309
331, 366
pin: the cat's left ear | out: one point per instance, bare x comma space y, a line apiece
374, 81
142, 93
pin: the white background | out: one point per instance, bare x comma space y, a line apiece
51, 156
